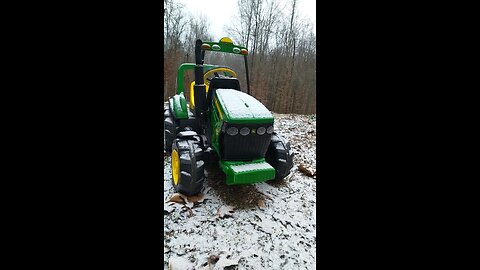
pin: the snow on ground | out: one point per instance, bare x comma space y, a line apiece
269, 225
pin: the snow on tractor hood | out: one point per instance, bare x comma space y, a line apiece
238, 107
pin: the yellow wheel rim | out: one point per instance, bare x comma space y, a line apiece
222, 69
175, 167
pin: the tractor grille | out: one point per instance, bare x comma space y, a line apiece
244, 148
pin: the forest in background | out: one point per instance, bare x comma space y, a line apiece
282, 51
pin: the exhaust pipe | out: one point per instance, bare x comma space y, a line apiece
200, 88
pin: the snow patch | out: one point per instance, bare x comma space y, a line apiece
251, 167
281, 235
239, 105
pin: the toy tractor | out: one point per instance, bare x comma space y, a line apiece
221, 123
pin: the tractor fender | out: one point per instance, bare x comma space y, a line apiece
178, 106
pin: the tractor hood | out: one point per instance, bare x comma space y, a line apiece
237, 107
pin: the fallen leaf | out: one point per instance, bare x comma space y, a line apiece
307, 171
188, 201
178, 198
213, 259
197, 198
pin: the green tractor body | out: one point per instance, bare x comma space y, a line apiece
222, 122
244, 162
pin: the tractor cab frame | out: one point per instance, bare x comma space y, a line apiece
221, 122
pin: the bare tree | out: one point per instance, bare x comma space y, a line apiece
282, 48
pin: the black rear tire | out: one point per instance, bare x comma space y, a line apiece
170, 126
191, 171
279, 156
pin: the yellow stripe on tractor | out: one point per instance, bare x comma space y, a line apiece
219, 111
192, 96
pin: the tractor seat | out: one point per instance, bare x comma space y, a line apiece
221, 82
224, 82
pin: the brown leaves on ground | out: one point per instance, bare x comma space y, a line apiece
213, 259
200, 197
237, 196
184, 199
306, 170
188, 201
178, 198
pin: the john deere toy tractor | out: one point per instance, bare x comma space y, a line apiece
221, 123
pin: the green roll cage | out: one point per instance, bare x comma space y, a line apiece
225, 45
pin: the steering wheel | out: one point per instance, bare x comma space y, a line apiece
207, 77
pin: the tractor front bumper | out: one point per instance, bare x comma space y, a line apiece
241, 172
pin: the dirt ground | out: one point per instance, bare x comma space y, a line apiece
269, 225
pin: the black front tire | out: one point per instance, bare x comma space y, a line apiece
171, 127
279, 156
191, 173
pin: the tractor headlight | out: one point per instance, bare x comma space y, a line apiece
261, 130
244, 131
270, 130
232, 131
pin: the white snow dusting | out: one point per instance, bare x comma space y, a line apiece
279, 235
240, 105
250, 167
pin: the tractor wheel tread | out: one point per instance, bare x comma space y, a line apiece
279, 157
185, 160
169, 121
192, 165
170, 127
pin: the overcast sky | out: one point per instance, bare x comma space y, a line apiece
221, 11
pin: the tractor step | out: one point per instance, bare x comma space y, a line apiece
241, 172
